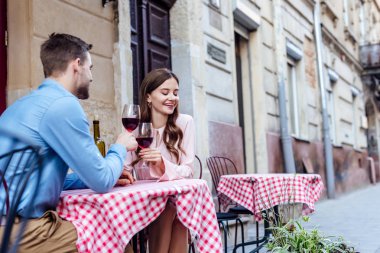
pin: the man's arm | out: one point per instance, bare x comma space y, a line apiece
72, 181
65, 128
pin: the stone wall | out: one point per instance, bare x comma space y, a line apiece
31, 22
351, 167
203, 56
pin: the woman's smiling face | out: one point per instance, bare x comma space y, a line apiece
164, 98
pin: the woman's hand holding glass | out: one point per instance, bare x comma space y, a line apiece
154, 158
148, 154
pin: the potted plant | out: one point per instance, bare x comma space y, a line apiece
293, 237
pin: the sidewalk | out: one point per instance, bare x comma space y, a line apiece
355, 216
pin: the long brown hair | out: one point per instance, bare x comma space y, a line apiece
172, 135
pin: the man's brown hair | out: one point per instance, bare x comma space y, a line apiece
59, 50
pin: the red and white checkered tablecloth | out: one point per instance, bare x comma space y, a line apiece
107, 222
259, 192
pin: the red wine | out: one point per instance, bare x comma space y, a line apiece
130, 123
144, 142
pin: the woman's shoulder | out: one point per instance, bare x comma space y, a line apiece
184, 118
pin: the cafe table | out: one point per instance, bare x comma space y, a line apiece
259, 192
107, 222
262, 192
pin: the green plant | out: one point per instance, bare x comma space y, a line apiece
288, 234
293, 237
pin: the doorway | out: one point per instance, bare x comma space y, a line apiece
373, 134
150, 38
245, 100
3, 55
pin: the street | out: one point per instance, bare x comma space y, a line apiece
354, 216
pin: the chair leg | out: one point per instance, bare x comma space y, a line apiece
225, 236
134, 243
236, 223
142, 241
257, 234
191, 248
242, 232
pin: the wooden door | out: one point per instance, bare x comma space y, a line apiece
150, 38
3, 55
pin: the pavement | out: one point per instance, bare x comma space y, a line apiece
355, 216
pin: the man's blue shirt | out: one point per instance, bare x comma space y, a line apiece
53, 119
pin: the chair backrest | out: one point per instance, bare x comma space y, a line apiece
199, 166
19, 159
219, 166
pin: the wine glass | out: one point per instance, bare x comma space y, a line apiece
144, 139
131, 116
145, 135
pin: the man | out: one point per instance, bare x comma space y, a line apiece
53, 119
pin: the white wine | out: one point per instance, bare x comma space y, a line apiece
98, 140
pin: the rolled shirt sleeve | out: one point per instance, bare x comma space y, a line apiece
65, 121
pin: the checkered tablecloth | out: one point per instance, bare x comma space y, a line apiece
107, 222
259, 192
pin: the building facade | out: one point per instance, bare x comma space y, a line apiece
233, 58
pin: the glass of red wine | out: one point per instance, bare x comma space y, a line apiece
145, 137
131, 117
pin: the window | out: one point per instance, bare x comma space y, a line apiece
331, 114
347, 10
295, 55
292, 101
215, 3
330, 102
354, 122
355, 92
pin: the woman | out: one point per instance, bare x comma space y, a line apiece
170, 156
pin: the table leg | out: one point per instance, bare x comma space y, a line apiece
142, 241
260, 243
134, 243
139, 240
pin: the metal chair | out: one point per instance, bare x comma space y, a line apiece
219, 166
19, 160
200, 167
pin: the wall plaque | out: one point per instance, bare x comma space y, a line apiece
216, 53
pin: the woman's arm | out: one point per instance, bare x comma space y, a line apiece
184, 169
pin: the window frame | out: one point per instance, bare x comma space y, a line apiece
292, 97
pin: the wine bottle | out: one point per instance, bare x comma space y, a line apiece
98, 140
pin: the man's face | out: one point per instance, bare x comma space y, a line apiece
84, 78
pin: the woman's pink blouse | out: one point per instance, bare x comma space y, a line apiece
173, 169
